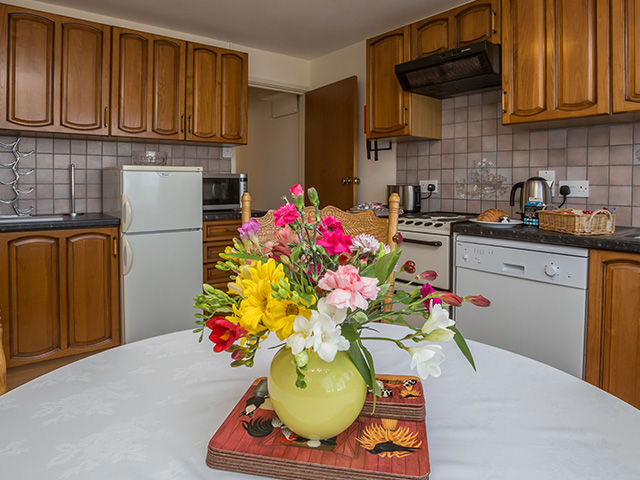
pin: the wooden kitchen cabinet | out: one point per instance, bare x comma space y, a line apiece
217, 235
148, 85
554, 59
392, 112
625, 55
470, 23
217, 93
613, 324
55, 73
59, 293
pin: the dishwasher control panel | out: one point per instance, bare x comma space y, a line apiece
554, 266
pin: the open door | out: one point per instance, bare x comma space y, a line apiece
331, 151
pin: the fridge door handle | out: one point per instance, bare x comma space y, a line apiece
126, 257
126, 213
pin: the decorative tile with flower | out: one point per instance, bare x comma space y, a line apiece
321, 290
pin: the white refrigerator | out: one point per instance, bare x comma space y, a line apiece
160, 211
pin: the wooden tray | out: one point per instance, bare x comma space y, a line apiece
252, 440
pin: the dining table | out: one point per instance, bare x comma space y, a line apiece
147, 410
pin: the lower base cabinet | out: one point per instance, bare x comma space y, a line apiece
59, 293
217, 235
613, 324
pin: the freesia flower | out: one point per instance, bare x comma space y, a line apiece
426, 290
285, 215
348, 288
477, 300
249, 230
327, 337
301, 338
365, 243
336, 314
436, 325
427, 360
296, 190
335, 242
224, 333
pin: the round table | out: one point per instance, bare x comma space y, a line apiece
147, 410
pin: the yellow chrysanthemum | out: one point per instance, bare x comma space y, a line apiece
281, 314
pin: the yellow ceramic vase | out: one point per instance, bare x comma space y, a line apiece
333, 398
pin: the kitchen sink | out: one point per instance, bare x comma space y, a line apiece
628, 233
31, 219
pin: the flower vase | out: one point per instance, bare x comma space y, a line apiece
332, 400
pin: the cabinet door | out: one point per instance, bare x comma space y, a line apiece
430, 36
387, 104
92, 290
625, 55
475, 22
31, 291
554, 59
57, 73
613, 325
234, 81
203, 92
84, 76
148, 85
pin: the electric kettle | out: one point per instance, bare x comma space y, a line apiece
535, 188
410, 196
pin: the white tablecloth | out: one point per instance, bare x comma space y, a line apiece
147, 411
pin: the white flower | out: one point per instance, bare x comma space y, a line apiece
301, 338
436, 325
427, 359
336, 314
365, 243
327, 337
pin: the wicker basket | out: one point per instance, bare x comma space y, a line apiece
600, 222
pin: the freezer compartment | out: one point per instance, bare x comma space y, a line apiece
161, 274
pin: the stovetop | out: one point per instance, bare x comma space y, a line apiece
431, 222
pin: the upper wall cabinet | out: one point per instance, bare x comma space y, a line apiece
625, 55
217, 87
56, 76
554, 59
392, 112
148, 85
470, 23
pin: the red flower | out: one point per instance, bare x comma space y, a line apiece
477, 300
296, 190
397, 238
331, 224
426, 290
409, 266
224, 333
450, 298
428, 275
286, 214
335, 242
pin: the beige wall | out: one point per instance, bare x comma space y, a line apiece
271, 158
341, 64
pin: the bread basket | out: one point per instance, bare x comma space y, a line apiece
600, 222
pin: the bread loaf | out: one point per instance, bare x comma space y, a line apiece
492, 215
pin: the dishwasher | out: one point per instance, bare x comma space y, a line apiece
538, 296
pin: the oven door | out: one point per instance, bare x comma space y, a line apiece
429, 252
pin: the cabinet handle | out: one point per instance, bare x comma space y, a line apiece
106, 116
405, 111
115, 247
504, 100
182, 123
493, 21
189, 125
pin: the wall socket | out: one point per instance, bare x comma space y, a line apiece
424, 186
227, 152
579, 188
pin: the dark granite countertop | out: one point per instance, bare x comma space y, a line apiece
621, 240
228, 215
82, 220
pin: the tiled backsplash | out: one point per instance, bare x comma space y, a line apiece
55, 153
478, 160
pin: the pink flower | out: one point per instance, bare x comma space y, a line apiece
286, 214
348, 288
426, 290
285, 236
296, 190
428, 275
477, 300
335, 242
331, 224
450, 298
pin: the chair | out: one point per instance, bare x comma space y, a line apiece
383, 229
3, 365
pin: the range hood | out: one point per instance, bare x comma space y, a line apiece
461, 70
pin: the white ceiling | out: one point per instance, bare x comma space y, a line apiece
300, 28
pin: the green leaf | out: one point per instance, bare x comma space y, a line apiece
462, 345
360, 363
350, 332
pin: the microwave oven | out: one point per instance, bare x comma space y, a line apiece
223, 191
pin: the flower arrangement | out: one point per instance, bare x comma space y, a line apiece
321, 290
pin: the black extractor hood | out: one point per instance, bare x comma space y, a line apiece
462, 70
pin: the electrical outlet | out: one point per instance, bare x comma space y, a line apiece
549, 176
579, 188
227, 152
424, 186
